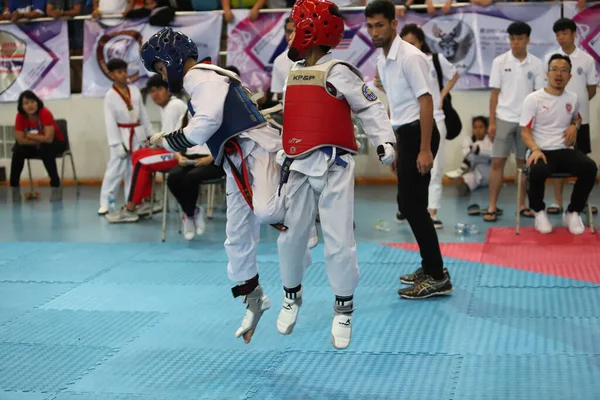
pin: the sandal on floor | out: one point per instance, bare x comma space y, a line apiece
554, 209
491, 214
474, 209
527, 213
594, 210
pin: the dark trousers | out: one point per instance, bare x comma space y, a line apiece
184, 183
45, 152
413, 193
565, 161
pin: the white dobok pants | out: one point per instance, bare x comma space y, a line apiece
117, 169
332, 194
435, 184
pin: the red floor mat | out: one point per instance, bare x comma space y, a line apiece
528, 235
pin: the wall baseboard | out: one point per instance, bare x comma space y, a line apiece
359, 181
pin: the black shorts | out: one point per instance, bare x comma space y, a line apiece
584, 143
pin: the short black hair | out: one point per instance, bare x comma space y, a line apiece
287, 21
383, 7
29, 95
484, 120
559, 57
233, 69
156, 81
115, 64
564, 24
519, 28
416, 30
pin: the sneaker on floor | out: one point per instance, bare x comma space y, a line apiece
457, 173
418, 275
437, 224
103, 211
400, 218
200, 221
573, 221
56, 194
542, 223
427, 287
144, 209
122, 216
313, 239
189, 228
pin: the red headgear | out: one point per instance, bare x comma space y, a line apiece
315, 26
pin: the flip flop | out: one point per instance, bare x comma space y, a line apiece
474, 209
527, 213
492, 214
554, 209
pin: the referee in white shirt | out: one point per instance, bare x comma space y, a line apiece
404, 73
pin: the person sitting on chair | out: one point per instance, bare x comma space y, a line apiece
549, 122
196, 165
37, 136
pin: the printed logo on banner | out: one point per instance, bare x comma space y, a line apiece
354, 48
12, 58
452, 38
124, 45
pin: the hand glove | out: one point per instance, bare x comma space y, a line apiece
386, 153
156, 139
121, 151
280, 157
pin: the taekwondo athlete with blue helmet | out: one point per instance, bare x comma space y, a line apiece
230, 124
319, 141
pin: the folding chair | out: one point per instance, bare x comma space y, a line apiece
210, 197
165, 205
523, 172
62, 124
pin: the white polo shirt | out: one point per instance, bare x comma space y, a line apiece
515, 79
281, 70
405, 75
549, 116
170, 115
583, 73
448, 72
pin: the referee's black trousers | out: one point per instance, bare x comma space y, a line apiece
413, 195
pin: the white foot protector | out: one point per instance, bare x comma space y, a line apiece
341, 331
289, 313
256, 304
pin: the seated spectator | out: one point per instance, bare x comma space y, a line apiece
474, 171
37, 136
26, 9
148, 160
253, 5
196, 165
549, 123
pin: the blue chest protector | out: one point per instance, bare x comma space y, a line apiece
239, 115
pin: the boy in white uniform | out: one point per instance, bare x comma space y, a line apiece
549, 123
318, 143
127, 127
583, 82
224, 118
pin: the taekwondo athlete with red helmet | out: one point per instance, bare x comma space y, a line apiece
236, 133
320, 97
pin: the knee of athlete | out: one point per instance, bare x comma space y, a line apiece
268, 213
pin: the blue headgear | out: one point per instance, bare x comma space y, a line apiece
173, 49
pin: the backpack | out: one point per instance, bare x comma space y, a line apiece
453, 124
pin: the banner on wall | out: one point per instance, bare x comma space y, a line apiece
470, 37
34, 57
588, 28
124, 40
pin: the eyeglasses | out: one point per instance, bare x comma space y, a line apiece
561, 70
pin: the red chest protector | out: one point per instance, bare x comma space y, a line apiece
314, 118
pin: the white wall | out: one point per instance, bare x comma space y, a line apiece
88, 140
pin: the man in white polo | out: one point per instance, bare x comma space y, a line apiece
514, 75
549, 123
583, 82
404, 73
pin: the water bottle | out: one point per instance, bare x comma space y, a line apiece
465, 229
112, 204
381, 225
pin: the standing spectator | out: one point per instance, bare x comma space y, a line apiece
414, 35
549, 123
68, 8
253, 5
583, 82
26, 9
37, 136
515, 74
404, 72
